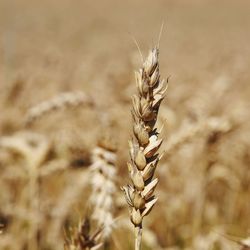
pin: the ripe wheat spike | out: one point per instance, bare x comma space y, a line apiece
145, 143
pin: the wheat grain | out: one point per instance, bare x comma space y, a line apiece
145, 144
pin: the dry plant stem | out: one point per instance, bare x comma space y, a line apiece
138, 237
145, 144
34, 208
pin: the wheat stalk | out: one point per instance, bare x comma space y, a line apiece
145, 143
53, 167
103, 176
69, 99
189, 131
34, 148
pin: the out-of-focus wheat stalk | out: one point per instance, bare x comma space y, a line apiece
103, 178
189, 132
212, 170
145, 144
53, 167
218, 238
33, 148
70, 99
82, 239
244, 243
71, 193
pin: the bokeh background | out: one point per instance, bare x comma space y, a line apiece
51, 47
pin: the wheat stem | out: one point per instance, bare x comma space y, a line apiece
138, 237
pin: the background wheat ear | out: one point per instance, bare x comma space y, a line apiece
61, 101
145, 143
103, 179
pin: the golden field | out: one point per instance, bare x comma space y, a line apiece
66, 82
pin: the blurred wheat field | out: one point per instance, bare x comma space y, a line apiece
66, 81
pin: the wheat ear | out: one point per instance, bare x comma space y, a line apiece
189, 132
68, 99
103, 177
145, 143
